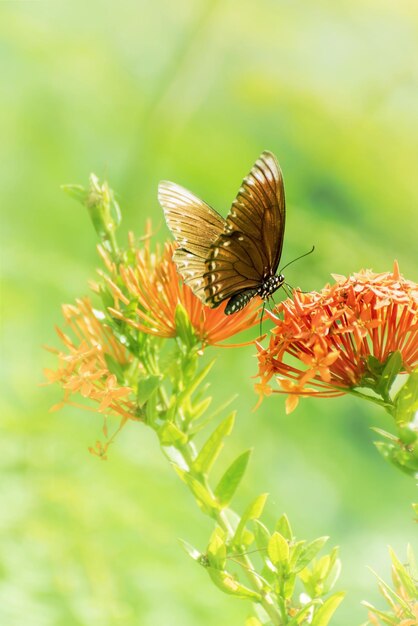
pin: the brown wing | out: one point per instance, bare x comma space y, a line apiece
195, 226
250, 247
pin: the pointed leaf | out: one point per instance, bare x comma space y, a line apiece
146, 387
228, 584
170, 435
262, 536
390, 371
253, 511
216, 551
198, 409
334, 571
406, 400
194, 383
184, 328
203, 498
295, 552
404, 576
283, 527
253, 621
323, 615
278, 549
304, 612
229, 482
289, 586
309, 552
191, 550
412, 564
115, 368
213, 446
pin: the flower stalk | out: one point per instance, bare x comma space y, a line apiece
141, 357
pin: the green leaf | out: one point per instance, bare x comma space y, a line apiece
253, 511
375, 366
216, 551
184, 329
262, 536
151, 413
289, 586
412, 564
334, 571
309, 552
404, 459
199, 408
385, 434
146, 387
392, 367
387, 617
404, 576
191, 550
204, 499
295, 552
170, 435
228, 584
229, 482
193, 384
278, 549
283, 527
298, 618
213, 446
391, 596
406, 400
324, 613
115, 368
101, 204
253, 621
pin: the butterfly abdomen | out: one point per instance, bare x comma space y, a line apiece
238, 302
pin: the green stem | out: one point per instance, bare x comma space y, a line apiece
363, 396
188, 454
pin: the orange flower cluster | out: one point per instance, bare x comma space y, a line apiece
152, 289
326, 337
83, 365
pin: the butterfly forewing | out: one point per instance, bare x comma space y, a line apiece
259, 210
195, 226
249, 250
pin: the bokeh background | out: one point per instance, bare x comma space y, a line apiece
192, 91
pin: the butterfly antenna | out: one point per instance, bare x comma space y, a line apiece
297, 259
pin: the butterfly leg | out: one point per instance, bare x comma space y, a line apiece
261, 318
295, 289
286, 288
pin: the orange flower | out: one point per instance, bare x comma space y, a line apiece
84, 366
148, 289
327, 338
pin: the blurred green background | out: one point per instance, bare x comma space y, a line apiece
192, 91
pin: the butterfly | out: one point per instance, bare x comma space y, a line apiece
235, 258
